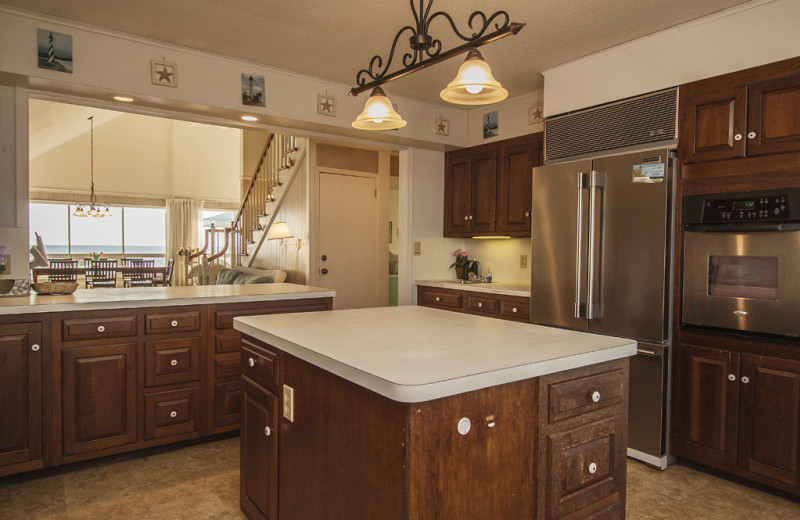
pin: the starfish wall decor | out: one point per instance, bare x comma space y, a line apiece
164, 74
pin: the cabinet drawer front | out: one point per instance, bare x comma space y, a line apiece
479, 304
586, 465
172, 361
585, 395
227, 366
441, 299
227, 403
227, 342
516, 309
172, 322
260, 365
172, 413
74, 329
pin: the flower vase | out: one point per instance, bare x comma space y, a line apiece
460, 273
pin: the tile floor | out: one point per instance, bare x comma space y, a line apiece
202, 482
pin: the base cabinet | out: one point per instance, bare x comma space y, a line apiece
507, 307
740, 412
21, 362
258, 476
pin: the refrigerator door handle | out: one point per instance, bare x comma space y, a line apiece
598, 182
580, 307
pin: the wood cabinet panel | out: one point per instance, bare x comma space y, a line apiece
440, 298
457, 196
516, 308
482, 217
482, 304
260, 365
172, 322
99, 397
227, 342
714, 123
774, 116
517, 159
171, 413
227, 403
111, 326
258, 475
171, 361
20, 393
580, 396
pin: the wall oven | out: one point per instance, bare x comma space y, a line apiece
741, 261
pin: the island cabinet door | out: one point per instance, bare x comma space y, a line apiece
258, 476
98, 397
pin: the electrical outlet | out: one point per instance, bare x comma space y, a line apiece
288, 403
417, 248
523, 261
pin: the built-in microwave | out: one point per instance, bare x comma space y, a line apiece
741, 261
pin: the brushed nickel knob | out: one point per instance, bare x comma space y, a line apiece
251, 362
35, 347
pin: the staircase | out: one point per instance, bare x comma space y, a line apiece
272, 178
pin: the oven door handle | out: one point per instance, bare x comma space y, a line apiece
743, 227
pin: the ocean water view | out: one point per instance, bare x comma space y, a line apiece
63, 249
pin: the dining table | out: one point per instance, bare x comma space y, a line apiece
159, 272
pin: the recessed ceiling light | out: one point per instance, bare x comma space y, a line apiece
249, 118
124, 99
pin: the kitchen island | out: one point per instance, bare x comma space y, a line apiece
417, 413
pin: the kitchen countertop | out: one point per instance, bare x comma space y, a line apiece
414, 354
137, 297
509, 289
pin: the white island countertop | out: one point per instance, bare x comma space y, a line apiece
139, 297
509, 289
414, 354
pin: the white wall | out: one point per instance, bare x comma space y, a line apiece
13, 186
504, 257
512, 119
756, 33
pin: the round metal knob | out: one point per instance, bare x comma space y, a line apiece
324, 271
731, 377
324, 257
596, 396
737, 137
173, 414
480, 305
513, 309
174, 362
745, 379
438, 299
592, 468
267, 431
751, 135
35, 347
174, 323
101, 328
251, 362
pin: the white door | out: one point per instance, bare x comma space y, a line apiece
348, 239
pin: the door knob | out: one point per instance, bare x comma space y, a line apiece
324, 257
324, 271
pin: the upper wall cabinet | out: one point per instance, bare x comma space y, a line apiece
743, 114
488, 188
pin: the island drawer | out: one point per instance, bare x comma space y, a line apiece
172, 361
584, 470
515, 308
574, 397
171, 413
172, 322
482, 304
440, 298
260, 365
75, 329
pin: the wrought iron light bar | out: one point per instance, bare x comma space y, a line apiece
422, 44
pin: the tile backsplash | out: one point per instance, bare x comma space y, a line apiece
10, 287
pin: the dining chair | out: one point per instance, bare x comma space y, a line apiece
166, 279
126, 262
101, 273
59, 270
140, 277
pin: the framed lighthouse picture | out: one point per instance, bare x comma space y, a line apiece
54, 50
252, 90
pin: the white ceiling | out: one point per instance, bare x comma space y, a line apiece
334, 39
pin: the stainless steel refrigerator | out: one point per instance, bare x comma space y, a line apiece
601, 258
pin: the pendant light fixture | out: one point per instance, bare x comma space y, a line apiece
378, 114
92, 208
474, 84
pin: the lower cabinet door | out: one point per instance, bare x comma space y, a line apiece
99, 397
259, 453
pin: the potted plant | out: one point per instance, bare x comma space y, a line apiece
462, 261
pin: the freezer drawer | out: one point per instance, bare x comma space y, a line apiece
647, 404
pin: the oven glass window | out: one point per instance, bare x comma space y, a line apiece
743, 277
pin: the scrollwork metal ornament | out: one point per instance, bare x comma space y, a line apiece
427, 50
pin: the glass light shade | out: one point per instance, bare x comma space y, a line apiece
474, 83
279, 230
378, 114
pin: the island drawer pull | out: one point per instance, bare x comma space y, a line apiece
438, 299
35, 347
251, 362
480, 305
174, 323
596, 396
174, 362
267, 431
101, 328
173, 414
513, 309
592, 468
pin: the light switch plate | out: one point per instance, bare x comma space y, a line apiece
288, 403
523, 261
417, 248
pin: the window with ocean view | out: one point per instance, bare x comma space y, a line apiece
130, 231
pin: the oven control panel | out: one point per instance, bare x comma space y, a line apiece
753, 208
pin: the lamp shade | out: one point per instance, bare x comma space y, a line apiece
378, 114
279, 230
474, 83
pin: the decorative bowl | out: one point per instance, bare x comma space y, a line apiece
54, 287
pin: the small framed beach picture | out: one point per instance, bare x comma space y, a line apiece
54, 50
164, 74
253, 90
441, 126
490, 125
326, 105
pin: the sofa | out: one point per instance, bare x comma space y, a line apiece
247, 275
